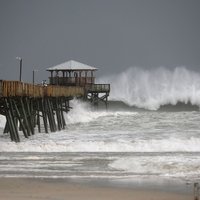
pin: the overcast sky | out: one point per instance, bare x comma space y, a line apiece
110, 34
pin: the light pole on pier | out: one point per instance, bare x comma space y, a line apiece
20, 68
35, 70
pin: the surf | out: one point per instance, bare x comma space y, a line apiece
153, 88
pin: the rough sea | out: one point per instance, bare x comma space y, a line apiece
151, 130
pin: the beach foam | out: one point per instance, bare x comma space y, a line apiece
89, 143
165, 165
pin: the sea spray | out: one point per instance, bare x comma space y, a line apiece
82, 112
2, 121
153, 88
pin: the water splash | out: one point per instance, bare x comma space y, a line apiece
153, 88
82, 112
2, 121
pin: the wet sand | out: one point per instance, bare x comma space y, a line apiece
56, 189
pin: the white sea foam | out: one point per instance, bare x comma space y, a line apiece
82, 112
108, 131
70, 144
2, 121
152, 88
176, 166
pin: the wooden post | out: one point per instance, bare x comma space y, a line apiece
29, 116
11, 120
33, 111
48, 110
50, 114
44, 115
10, 127
38, 115
14, 120
58, 114
20, 121
24, 116
62, 114
6, 129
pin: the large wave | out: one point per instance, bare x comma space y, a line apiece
153, 88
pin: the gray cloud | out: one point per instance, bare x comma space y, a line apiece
110, 34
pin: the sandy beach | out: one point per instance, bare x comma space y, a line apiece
56, 189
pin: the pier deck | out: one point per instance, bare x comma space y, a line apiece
20, 89
24, 105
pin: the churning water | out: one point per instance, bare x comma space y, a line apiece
123, 142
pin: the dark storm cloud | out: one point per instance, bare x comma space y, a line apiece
110, 34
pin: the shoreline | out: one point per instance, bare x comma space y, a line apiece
48, 188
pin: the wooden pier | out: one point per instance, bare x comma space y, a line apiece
27, 106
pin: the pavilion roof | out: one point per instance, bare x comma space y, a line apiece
72, 65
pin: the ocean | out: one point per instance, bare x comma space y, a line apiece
153, 133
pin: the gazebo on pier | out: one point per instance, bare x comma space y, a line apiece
72, 73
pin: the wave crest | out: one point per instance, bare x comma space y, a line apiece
153, 88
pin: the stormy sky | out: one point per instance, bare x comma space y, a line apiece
112, 35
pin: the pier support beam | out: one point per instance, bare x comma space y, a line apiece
95, 98
24, 114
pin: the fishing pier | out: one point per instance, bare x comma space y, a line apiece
28, 106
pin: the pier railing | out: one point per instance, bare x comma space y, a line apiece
99, 88
54, 91
71, 81
17, 88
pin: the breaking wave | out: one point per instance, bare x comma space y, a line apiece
54, 143
153, 88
